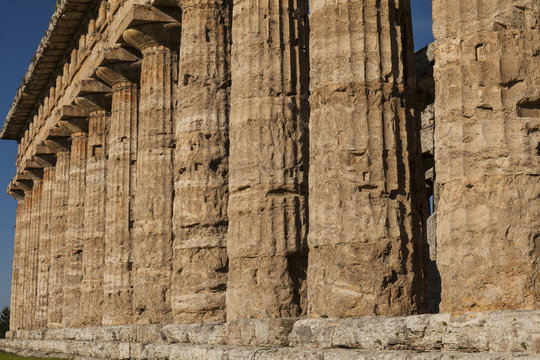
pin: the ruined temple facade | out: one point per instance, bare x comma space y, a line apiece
207, 179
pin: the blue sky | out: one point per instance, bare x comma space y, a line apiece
22, 24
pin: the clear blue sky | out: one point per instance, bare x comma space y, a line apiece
22, 24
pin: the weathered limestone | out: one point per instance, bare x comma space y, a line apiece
17, 270
35, 235
201, 164
487, 105
476, 335
365, 185
93, 260
120, 190
266, 241
73, 269
58, 254
46, 236
153, 238
197, 191
25, 278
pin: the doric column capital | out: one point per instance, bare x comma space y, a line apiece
94, 103
146, 36
15, 191
121, 72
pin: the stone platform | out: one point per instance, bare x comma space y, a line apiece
483, 335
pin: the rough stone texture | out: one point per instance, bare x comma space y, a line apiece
91, 305
490, 335
24, 260
73, 269
45, 239
487, 75
201, 164
58, 241
96, 351
266, 240
120, 189
365, 186
511, 331
35, 235
17, 269
143, 226
152, 245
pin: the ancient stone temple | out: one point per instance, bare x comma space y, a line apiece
278, 180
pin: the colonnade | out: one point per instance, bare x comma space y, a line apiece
248, 160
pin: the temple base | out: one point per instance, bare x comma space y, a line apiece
482, 335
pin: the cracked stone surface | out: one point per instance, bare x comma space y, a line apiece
487, 109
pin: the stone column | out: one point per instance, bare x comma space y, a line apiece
93, 259
44, 259
121, 163
33, 251
201, 164
267, 211
73, 270
487, 75
59, 240
366, 182
26, 263
153, 237
15, 307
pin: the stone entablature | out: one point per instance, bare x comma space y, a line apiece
237, 165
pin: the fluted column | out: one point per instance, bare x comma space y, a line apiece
121, 164
73, 270
58, 254
93, 259
487, 153
15, 303
25, 281
365, 180
201, 163
34, 242
44, 258
153, 237
267, 209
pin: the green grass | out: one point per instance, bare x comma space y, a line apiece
4, 356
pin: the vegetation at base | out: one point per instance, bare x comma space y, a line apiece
4, 322
4, 356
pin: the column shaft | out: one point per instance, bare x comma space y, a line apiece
58, 253
365, 180
44, 258
121, 144
92, 297
73, 270
486, 151
35, 236
268, 160
201, 164
152, 253
17, 271
25, 263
